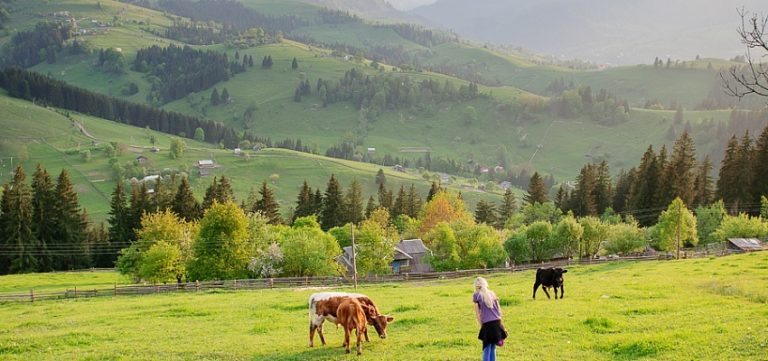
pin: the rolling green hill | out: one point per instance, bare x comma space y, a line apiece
33, 134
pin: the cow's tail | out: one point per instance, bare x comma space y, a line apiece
311, 307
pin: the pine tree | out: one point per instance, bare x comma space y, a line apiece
353, 203
413, 205
317, 203
332, 214
623, 187
381, 179
120, 232
642, 193
215, 99
746, 170
211, 194
16, 222
680, 171
537, 192
370, 207
508, 206
70, 226
44, 223
485, 212
400, 206
583, 201
561, 199
603, 192
760, 166
224, 96
225, 192
703, 185
385, 198
267, 205
304, 202
433, 189
729, 176
139, 205
184, 203
294, 64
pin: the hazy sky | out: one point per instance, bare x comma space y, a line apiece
409, 4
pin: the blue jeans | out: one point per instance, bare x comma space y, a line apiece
489, 353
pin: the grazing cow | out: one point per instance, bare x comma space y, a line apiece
351, 316
323, 306
549, 277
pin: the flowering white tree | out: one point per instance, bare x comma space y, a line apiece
268, 262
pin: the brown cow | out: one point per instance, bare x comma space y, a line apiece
351, 316
324, 306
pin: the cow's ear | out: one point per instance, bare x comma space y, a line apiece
565, 271
390, 319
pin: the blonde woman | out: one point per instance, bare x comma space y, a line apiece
488, 313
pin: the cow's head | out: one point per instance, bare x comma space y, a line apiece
558, 273
380, 323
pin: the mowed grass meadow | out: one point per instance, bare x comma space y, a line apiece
702, 309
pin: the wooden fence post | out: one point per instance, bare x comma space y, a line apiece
32, 295
197, 285
115, 288
271, 283
235, 284
75, 291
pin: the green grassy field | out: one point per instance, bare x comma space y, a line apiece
703, 309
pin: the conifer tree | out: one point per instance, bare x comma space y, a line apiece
304, 203
623, 187
583, 199
211, 194
215, 99
485, 212
332, 214
225, 192
267, 205
642, 193
400, 206
385, 198
294, 64
760, 166
508, 206
380, 177
16, 222
353, 203
317, 202
43, 221
680, 170
537, 192
729, 178
70, 226
703, 186
370, 207
139, 205
184, 203
413, 204
224, 96
603, 192
120, 232
562, 200
433, 189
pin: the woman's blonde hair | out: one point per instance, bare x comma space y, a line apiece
481, 286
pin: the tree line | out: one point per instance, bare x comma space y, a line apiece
182, 70
32, 47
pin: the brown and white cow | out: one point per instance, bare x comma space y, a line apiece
351, 316
324, 305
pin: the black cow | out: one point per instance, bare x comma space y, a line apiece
549, 277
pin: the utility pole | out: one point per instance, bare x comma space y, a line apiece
679, 226
354, 257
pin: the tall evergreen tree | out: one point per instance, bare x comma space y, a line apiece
225, 192
681, 169
385, 197
603, 192
370, 206
485, 212
304, 202
624, 183
401, 203
211, 194
353, 203
20, 248
643, 191
413, 205
508, 206
140, 204
224, 96
703, 184
215, 99
44, 223
583, 201
433, 189
760, 166
317, 203
267, 205
70, 226
120, 232
537, 191
380, 177
294, 64
185, 205
332, 214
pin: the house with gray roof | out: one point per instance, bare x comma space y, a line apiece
409, 257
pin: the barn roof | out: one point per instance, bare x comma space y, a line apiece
412, 246
747, 244
401, 255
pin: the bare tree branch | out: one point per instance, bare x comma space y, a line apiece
751, 78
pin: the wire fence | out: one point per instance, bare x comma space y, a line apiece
315, 282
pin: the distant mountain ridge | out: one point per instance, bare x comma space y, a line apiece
370, 9
605, 31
